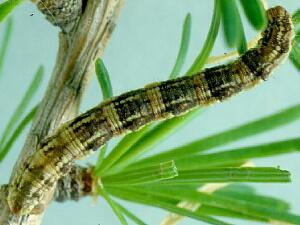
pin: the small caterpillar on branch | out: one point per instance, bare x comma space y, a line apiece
130, 111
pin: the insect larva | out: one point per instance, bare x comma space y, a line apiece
132, 110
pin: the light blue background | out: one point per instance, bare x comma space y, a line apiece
142, 50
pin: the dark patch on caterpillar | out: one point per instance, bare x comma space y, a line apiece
132, 110
252, 61
177, 95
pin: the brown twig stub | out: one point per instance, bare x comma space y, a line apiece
62, 13
78, 183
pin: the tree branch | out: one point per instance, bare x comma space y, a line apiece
78, 49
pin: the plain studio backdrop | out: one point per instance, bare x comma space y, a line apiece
143, 49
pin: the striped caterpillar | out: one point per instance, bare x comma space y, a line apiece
132, 110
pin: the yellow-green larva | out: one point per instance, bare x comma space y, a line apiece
130, 111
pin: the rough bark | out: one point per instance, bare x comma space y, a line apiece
79, 47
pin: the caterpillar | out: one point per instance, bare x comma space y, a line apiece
132, 110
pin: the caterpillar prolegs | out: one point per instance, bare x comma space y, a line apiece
130, 111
